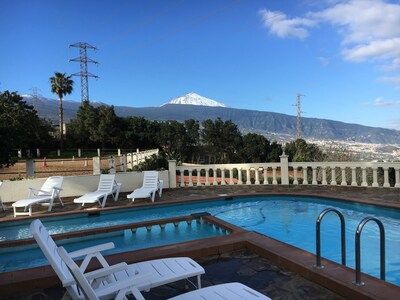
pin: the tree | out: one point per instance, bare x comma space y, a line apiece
255, 148
20, 127
82, 127
299, 150
61, 85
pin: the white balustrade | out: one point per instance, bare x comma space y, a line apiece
363, 174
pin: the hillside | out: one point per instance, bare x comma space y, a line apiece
268, 123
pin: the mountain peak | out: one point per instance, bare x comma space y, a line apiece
195, 99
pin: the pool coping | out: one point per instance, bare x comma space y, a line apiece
217, 197
334, 276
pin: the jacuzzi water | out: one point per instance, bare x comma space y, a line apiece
289, 219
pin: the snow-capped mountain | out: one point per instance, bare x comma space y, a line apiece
195, 99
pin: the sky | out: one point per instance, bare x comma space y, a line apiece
343, 56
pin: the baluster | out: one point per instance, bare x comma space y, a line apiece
240, 176
182, 177
397, 178
231, 177
305, 179
274, 181
375, 177
314, 176
364, 176
295, 181
333, 173
266, 175
215, 177
257, 173
248, 176
223, 177
386, 177
324, 182
353, 176
190, 178
207, 177
343, 176
198, 177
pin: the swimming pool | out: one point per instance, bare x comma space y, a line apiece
286, 218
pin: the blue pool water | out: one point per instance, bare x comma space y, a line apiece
287, 218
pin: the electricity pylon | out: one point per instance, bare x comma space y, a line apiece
298, 124
83, 73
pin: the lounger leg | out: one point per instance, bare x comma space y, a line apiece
199, 281
15, 211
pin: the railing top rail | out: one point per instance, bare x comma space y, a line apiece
228, 166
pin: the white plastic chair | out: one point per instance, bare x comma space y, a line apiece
49, 190
145, 275
151, 184
107, 186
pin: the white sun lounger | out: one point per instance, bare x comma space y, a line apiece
107, 186
49, 190
121, 288
151, 184
144, 275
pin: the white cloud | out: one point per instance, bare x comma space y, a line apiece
279, 25
380, 102
388, 49
363, 21
370, 29
391, 79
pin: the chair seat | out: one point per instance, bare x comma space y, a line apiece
30, 201
91, 197
141, 193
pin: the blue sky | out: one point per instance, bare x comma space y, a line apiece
344, 56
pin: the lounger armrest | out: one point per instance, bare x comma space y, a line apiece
98, 273
106, 271
57, 188
91, 250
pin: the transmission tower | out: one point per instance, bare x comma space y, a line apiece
35, 96
298, 125
84, 74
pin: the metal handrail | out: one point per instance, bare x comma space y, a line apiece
358, 247
318, 237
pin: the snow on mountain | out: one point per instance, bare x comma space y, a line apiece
195, 99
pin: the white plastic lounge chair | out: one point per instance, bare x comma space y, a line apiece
151, 184
146, 275
231, 291
49, 190
120, 289
107, 186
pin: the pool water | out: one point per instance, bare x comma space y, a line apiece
289, 219
16, 258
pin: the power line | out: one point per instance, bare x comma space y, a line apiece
83, 73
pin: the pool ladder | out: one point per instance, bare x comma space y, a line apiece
360, 227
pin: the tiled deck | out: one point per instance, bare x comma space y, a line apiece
253, 264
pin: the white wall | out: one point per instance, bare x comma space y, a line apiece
12, 191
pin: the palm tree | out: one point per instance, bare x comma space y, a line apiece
61, 85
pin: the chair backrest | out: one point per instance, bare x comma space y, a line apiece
150, 179
51, 183
106, 183
77, 274
49, 249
